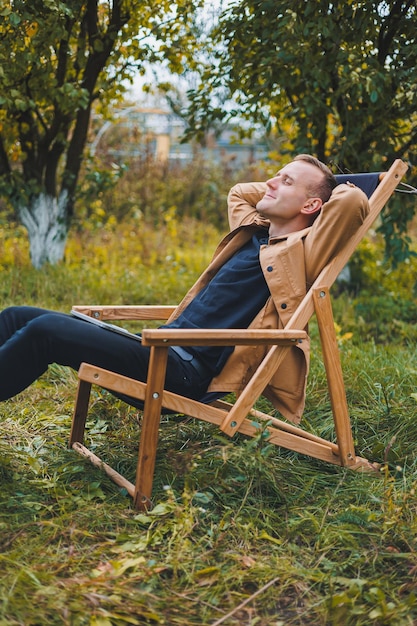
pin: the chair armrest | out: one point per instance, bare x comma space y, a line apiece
127, 312
220, 337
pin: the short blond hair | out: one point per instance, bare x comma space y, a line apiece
324, 189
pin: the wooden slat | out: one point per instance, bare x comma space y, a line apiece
126, 312
112, 381
290, 428
150, 427
80, 412
95, 460
332, 364
220, 337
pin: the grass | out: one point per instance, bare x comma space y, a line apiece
243, 533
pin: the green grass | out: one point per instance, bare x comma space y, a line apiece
243, 533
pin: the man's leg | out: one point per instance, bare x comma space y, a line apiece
31, 339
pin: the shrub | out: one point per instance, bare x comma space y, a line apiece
148, 189
379, 302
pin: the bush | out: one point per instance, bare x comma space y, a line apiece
378, 302
149, 189
385, 318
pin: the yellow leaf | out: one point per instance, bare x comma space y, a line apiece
32, 29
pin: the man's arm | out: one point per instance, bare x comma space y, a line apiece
242, 201
339, 219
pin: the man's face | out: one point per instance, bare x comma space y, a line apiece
287, 195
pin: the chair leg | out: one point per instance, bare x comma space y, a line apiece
150, 428
80, 412
331, 358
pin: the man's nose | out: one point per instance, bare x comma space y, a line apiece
272, 182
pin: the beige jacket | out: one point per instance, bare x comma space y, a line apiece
290, 265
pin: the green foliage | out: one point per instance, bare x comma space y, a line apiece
157, 193
381, 301
57, 61
66, 55
240, 527
395, 227
386, 318
108, 263
333, 79
343, 73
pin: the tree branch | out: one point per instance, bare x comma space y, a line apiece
96, 61
390, 26
5, 169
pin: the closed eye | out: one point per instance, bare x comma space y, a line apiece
284, 178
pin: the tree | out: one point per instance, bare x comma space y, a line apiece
58, 60
337, 79
344, 73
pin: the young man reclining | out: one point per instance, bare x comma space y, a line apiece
283, 232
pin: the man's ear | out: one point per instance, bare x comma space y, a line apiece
312, 205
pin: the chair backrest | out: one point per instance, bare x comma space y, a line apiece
368, 182
384, 187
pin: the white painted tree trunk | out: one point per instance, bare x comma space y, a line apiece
47, 225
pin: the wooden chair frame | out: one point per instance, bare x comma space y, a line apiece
241, 416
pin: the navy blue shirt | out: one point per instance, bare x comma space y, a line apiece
231, 299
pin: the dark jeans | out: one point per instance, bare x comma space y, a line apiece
33, 338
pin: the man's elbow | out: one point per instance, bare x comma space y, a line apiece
355, 200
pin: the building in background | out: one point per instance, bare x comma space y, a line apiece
152, 132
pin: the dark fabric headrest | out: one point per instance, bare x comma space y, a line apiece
367, 182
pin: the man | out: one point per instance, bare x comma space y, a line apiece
283, 232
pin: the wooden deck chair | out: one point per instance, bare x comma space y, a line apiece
241, 416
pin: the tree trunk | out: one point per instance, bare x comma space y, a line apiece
46, 221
